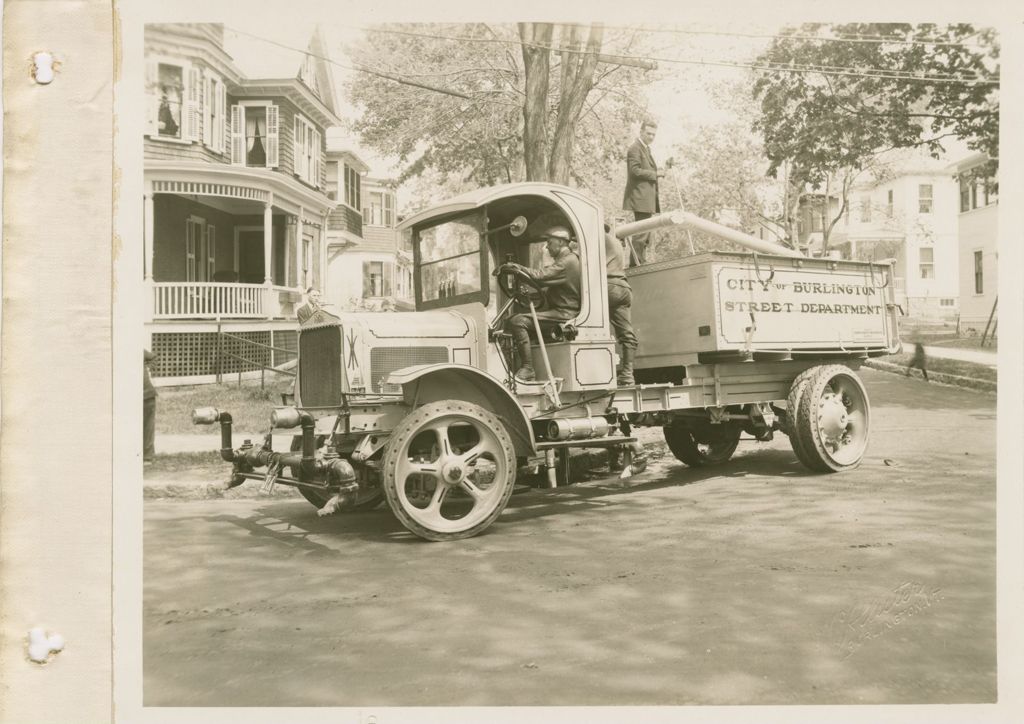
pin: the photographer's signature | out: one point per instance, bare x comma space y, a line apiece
851, 627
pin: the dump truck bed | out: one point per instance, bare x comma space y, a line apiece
719, 306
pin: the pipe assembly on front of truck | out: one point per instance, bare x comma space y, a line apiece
690, 221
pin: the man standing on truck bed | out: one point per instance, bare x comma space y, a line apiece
620, 304
561, 282
641, 195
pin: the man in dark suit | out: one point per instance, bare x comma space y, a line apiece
311, 306
641, 195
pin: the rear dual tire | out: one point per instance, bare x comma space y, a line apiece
828, 418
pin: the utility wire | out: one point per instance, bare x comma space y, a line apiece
847, 38
802, 68
357, 68
823, 70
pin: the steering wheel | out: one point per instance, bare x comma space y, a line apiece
520, 286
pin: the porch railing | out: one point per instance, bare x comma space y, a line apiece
207, 300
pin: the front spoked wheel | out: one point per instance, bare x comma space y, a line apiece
449, 470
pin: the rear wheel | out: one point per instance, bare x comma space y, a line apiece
449, 470
833, 419
703, 445
796, 393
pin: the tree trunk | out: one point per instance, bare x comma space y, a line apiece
577, 81
536, 38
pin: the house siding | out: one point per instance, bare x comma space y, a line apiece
978, 232
379, 238
177, 151
344, 218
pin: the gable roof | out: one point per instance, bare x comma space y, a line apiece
280, 58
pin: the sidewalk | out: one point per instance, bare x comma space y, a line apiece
210, 442
977, 356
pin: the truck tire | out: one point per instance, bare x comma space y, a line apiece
319, 498
701, 448
448, 470
796, 393
833, 419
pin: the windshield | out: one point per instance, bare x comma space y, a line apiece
449, 262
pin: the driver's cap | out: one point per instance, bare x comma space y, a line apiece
546, 226
558, 232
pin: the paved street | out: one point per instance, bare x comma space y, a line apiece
755, 582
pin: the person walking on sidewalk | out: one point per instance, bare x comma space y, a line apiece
919, 360
148, 409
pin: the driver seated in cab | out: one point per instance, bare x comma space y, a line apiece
560, 281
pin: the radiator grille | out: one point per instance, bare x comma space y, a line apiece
320, 367
385, 360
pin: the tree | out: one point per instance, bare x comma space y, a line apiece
837, 96
535, 102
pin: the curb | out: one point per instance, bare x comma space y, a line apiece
967, 383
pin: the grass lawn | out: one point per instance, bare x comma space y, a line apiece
250, 407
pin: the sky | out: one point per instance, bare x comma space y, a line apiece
679, 98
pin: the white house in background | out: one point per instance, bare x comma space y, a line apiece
368, 264
911, 216
978, 249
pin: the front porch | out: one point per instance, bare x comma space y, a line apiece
222, 300
229, 243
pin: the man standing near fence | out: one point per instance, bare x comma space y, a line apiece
148, 409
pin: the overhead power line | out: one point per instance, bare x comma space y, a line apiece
795, 68
617, 59
357, 68
844, 38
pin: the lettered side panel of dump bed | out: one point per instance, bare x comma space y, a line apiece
719, 305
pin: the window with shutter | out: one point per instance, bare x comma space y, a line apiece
389, 276
317, 143
152, 98
225, 119
272, 136
171, 91
211, 252
193, 240
389, 210
237, 135
192, 120
209, 108
297, 146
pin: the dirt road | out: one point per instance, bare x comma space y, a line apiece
755, 582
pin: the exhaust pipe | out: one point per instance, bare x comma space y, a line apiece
210, 415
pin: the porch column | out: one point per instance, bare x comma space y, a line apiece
268, 256
300, 253
320, 273
147, 247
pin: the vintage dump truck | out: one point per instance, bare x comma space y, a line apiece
422, 408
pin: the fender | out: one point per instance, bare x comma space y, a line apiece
446, 381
